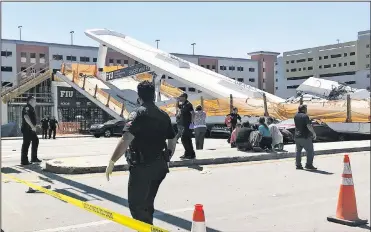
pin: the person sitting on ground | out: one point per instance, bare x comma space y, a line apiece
266, 141
277, 138
243, 137
234, 135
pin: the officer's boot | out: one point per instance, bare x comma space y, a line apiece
24, 160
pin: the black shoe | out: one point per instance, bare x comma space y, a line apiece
36, 160
299, 167
187, 157
25, 162
310, 167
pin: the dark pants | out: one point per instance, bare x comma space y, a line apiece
307, 144
44, 132
180, 132
246, 146
54, 130
187, 142
144, 181
266, 143
200, 137
29, 137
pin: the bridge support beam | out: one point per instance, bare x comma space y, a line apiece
101, 61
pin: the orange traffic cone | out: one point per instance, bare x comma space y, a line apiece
198, 224
346, 212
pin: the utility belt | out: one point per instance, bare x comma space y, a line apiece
134, 157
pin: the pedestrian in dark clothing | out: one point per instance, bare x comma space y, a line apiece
145, 134
186, 120
304, 136
28, 129
53, 123
45, 126
234, 116
243, 137
179, 123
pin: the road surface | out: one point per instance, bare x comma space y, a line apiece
254, 196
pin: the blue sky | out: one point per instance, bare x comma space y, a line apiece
223, 29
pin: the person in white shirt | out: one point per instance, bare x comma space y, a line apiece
277, 138
199, 127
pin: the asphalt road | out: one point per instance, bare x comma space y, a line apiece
254, 196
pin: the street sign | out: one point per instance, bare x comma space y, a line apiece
125, 72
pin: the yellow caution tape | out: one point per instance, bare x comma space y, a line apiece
104, 213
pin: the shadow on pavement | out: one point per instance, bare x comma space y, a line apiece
367, 227
8, 170
196, 167
160, 215
320, 172
66, 192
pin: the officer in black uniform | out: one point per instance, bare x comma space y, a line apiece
53, 127
44, 126
29, 132
145, 134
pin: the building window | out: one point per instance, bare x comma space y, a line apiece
287, 62
276, 72
6, 53
292, 86
223, 68
232, 68
334, 65
287, 70
240, 79
352, 63
263, 59
336, 56
368, 56
23, 69
310, 59
292, 61
57, 57
304, 68
310, 68
350, 82
276, 80
41, 56
118, 61
110, 61
367, 45
23, 55
320, 58
325, 57
170, 78
42, 70
84, 59
240, 69
33, 55
6, 69
71, 58
190, 89
94, 60
251, 79
293, 70
202, 65
352, 53
327, 66
339, 64
126, 62
136, 62
368, 75
320, 66
275, 63
367, 65
299, 69
263, 69
345, 54
251, 70
213, 67
208, 66
300, 61
276, 88
345, 64
182, 88
263, 80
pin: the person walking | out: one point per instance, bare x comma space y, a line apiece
234, 117
28, 129
44, 126
304, 136
145, 134
53, 123
200, 127
266, 141
277, 138
186, 120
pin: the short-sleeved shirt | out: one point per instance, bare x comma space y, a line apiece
264, 131
186, 110
53, 123
301, 121
151, 127
45, 122
234, 117
243, 135
30, 111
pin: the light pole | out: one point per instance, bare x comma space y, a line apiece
157, 40
71, 32
193, 45
20, 32
338, 40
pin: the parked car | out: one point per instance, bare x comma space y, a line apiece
323, 131
108, 129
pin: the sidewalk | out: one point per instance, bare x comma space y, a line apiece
96, 164
57, 136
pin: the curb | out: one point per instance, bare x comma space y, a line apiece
62, 137
183, 163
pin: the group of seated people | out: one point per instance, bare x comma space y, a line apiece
258, 137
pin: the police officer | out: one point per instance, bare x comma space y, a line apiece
145, 134
53, 127
44, 126
28, 129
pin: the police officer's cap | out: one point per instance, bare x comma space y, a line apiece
29, 98
184, 95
